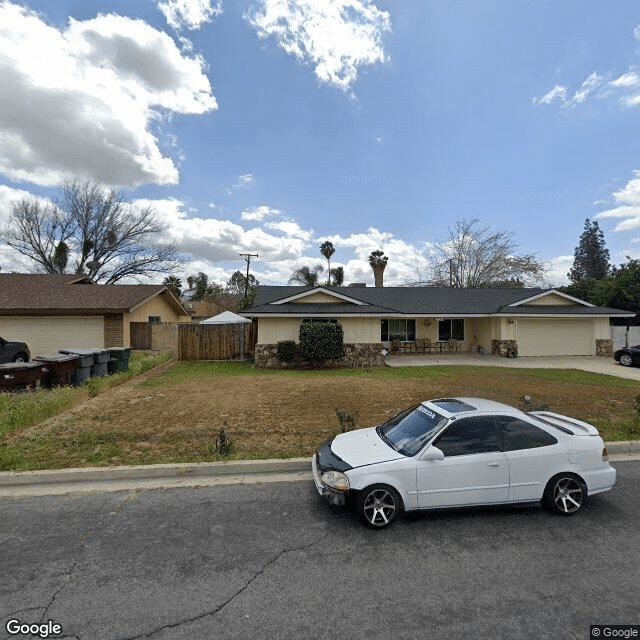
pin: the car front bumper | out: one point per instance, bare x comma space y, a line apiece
334, 497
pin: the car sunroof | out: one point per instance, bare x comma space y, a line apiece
452, 405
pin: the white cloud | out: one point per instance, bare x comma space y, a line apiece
260, 213
558, 93
245, 180
626, 211
337, 38
283, 246
567, 98
625, 88
557, 270
191, 14
83, 99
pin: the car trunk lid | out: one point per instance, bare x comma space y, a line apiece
566, 424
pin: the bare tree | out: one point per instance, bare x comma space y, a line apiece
107, 238
475, 257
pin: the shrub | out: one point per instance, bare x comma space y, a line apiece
321, 341
347, 420
224, 445
286, 350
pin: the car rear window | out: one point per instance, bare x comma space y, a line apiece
452, 405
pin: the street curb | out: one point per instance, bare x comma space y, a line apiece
232, 468
155, 471
625, 446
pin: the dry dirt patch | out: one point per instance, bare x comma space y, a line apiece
260, 413
276, 415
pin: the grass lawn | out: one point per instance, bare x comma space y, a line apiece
175, 413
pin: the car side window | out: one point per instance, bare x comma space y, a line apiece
466, 436
516, 434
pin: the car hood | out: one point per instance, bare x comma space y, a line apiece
362, 447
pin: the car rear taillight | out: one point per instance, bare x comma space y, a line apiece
605, 455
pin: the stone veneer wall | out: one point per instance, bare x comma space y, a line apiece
356, 355
503, 347
604, 348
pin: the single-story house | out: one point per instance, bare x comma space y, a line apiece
50, 312
533, 322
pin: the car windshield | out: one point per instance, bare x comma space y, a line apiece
410, 430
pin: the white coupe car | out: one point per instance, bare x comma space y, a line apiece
457, 452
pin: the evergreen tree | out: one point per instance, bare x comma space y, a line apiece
591, 257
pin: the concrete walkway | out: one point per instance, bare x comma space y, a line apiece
605, 366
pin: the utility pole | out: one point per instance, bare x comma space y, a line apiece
247, 257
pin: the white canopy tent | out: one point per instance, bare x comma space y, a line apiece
226, 317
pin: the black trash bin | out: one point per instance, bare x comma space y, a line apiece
16, 376
58, 369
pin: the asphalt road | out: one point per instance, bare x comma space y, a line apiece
274, 561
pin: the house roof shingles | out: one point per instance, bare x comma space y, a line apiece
27, 294
418, 301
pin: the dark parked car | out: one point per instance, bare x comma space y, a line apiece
628, 356
14, 351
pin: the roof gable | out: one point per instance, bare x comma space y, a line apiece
551, 297
318, 295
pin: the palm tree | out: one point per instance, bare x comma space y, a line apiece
337, 275
307, 276
378, 262
327, 250
174, 284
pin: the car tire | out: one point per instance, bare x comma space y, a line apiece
378, 506
626, 360
564, 494
20, 357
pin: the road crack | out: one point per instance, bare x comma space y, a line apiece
232, 597
66, 578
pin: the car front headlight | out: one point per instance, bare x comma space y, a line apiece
335, 480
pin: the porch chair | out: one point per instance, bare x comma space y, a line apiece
396, 346
429, 346
453, 345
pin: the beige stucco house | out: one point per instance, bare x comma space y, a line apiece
51, 312
533, 322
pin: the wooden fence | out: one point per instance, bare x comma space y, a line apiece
140, 335
191, 341
216, 342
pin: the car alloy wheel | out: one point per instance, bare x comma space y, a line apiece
625, 360
378, 506
565, 494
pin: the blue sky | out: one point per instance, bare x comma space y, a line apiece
269, 126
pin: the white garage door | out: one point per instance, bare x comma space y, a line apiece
557, 337
46, 334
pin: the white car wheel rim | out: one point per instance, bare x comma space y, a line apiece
379, 507
568, 495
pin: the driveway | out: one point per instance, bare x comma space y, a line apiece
605, 366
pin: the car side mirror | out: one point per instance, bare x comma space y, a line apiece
432, 453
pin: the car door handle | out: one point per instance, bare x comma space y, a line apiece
493, 464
